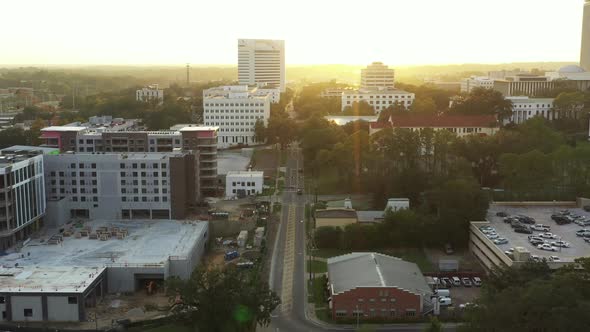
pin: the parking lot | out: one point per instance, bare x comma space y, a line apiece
542, 215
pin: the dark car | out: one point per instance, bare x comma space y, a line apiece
587, 208
523, 230
561, 219
502, 214
516, 223
526, 219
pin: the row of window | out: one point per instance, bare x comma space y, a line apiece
143, 174
229, 130
231, 117
234, 111
74, 182
72, 174
530, 105
143, 183
376, 97
233, 104
243, 183
143, 199
75, 191
82, 165
383, 299
143, 165
144, 191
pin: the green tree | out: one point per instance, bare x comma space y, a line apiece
260, 131
327, 237
569, 104
435, 325
484, 101
222, 300
424, 105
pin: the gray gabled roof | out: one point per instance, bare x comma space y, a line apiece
367, 269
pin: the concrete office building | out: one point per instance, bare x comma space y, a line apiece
468, 84
22, 196
235, 110
376, 286
523, 85
524, 108
261, 62
585, 47
120, 186
201, 140
150, 93
59, 294
377, 76
378, 99
243, 183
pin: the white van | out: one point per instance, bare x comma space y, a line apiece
445, 301
443, 292
456, 281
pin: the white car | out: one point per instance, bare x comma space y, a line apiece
548, 235
500, 240
554, 259
562, 244
535, 258
540, 227
445, 301
546, 246
493, 236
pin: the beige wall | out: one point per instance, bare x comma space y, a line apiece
336, 222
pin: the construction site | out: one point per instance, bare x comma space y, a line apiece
123, 257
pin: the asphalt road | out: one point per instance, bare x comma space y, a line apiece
287, 277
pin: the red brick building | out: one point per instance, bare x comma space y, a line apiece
375, 286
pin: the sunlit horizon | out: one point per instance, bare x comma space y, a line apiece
408, 33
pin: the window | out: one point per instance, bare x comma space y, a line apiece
341, 313
122, 165
371, 300
28, 312
123, 199
93, 165
122, 173
392, 313
2, 299
410, 312
360, 299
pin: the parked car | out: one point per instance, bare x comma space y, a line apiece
501, 214
516, 223
540, 227
500, 240
583, 232
445, 301
443, 292
456, 281
561, 219
523, 230
587, 239
446, 282
535, 258
547, 246
525, 219
493, 236
509, 252
562, 244
466, 282
554, 259
476, 281
536, 242
548, 235
508, 220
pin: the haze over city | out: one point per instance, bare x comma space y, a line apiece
316, 32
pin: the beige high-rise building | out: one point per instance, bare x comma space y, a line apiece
585, 48
261, 62
377, 76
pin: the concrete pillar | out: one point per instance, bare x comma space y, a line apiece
44, 307
8, 308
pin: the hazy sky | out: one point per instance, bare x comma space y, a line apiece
398, 32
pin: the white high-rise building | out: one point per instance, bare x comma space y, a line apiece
261, 62
151, 92
235, 110
377, 76
585, 47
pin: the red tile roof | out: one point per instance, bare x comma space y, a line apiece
438, 121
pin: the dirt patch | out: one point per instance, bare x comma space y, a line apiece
266, 160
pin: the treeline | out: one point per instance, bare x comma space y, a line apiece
533, 298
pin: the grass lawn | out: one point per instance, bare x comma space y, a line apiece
414, 255
316, 266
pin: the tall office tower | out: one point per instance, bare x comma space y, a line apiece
585, 49
261, 62
377, 76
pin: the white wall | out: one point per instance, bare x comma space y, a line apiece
20, 303
251, 185
59, 310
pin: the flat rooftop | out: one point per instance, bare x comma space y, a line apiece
243, 174
542, 215
47, 279
149, 242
